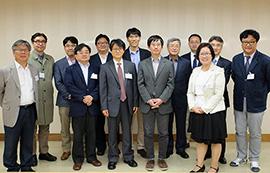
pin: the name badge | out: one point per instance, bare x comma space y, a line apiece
41, 75
128, 76
250, 76
94, 76
36, 78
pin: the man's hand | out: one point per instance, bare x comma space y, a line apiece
105, 112
135, 109
88, 100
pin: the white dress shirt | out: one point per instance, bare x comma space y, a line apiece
84, 68
26, 84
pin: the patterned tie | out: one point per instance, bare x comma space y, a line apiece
247, 64
123, 95
215, 61
194, 62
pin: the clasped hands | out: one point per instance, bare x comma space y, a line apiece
155, 103
88, 100
197, 110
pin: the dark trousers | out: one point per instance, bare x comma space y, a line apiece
149, 120
223, 144
84, 138
23, 131
180, 114
100, 133
113, 126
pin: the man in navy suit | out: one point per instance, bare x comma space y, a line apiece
217, 44
182, 70
63, 96
250, 73
101, 57
136, 54
194, 40
81, 81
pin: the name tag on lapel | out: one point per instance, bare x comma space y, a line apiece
41, 75
94, 76
128, 75
250, 76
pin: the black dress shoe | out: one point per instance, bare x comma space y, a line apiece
222, 160
47, 157
183, 154
131, 163
142, 152
111, 165
34, 160
27, 170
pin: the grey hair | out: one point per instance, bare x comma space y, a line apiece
172, 40
21, 42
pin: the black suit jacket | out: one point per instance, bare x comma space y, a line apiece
143, 54
181, 78
187, 56
96, 59
256, 89
226, 64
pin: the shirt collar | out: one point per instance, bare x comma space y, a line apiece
115, 62
19, 66
251, 56
153, 60
84, 65
132, 52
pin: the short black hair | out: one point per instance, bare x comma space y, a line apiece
80, 47
38, 34
195, 35
102, 36
154, 38
217, 38
134, 31
202, 45
72, 39
117, 42
251, 32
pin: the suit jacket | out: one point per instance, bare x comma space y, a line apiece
187, 56
213, 90
76, 86
143, 54
59, 73
257, 89
10, 92
159, 86
109, 88
181, 78
96, 59
45, 88
226, 64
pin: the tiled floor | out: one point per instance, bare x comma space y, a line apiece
176, 164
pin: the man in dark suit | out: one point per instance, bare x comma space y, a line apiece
217, 44
179, 99
194, 40
250, 73
136, 54
18, 94
63, 96
81, 81
101, 57
119, 100
156, 84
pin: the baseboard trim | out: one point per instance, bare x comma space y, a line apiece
230, 138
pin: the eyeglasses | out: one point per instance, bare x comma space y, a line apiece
102, 43
205, 54
22, 50
70, 45
117, 49
40, 41
248, 42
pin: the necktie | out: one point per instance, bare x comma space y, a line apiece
194, 62
215, 61
121, 82
247, 64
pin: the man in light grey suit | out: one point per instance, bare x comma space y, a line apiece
119, 100
18, 91
156, 84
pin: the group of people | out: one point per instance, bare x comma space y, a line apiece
130, 84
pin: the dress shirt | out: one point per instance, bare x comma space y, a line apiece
84, 68
192, 57
70, 61
135, 57
26, 84
103, 59
155, 63
122, 66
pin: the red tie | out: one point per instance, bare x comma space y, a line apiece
121, 81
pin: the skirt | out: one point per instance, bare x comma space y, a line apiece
208, 128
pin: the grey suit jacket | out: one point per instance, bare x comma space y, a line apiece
109, 87
10, 93
160, 86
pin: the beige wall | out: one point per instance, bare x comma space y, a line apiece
19, 19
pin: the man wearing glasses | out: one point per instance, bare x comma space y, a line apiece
44, 63
250, 73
